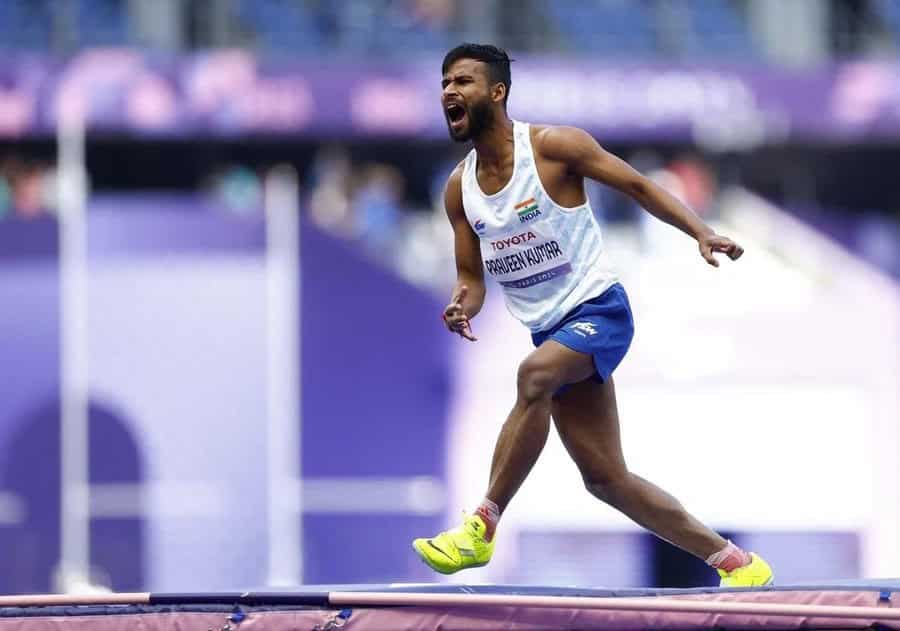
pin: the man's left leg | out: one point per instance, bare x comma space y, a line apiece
587, 420
588, 424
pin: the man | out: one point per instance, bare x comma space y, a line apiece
518, 208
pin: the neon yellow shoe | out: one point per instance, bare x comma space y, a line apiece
457, 549
756, 574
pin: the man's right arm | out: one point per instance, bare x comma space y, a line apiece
470, 289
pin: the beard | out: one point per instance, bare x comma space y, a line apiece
481, 117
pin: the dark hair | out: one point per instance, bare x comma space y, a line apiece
497, 61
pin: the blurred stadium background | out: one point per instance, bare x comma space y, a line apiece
222, 361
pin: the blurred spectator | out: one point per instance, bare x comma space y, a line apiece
329, 202
238, 188
28, 192
25, 188
690, 179
432, 16
377, 205
697, 182
5, 191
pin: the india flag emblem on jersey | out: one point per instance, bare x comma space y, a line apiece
527, 210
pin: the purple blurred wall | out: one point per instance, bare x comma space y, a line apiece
177, 372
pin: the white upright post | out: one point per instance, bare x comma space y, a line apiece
73, 571
285, 554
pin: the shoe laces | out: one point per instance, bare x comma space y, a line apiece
471, 524
467, 527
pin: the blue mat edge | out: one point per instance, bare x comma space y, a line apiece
869, 585
313, 592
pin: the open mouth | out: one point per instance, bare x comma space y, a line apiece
455, 113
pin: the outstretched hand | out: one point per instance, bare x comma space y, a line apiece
715, 243
455, 318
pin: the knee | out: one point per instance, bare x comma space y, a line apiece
606, 484
535, 381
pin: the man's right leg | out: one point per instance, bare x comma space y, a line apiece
521, 441
525, 431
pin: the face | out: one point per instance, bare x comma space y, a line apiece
466, 99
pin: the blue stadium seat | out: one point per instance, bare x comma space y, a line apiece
889, 12
608, 27
379, 26
716, 29
287, 26
29, 24
102, 23
25, 24
632, 28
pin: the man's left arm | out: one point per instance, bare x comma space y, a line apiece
586, 158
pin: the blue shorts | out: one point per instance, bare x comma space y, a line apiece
601, 327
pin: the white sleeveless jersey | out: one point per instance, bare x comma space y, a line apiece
548, 258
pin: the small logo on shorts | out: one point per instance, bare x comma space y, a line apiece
584, 328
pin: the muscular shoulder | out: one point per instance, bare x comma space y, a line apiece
455, 177
453, 192
561, 142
